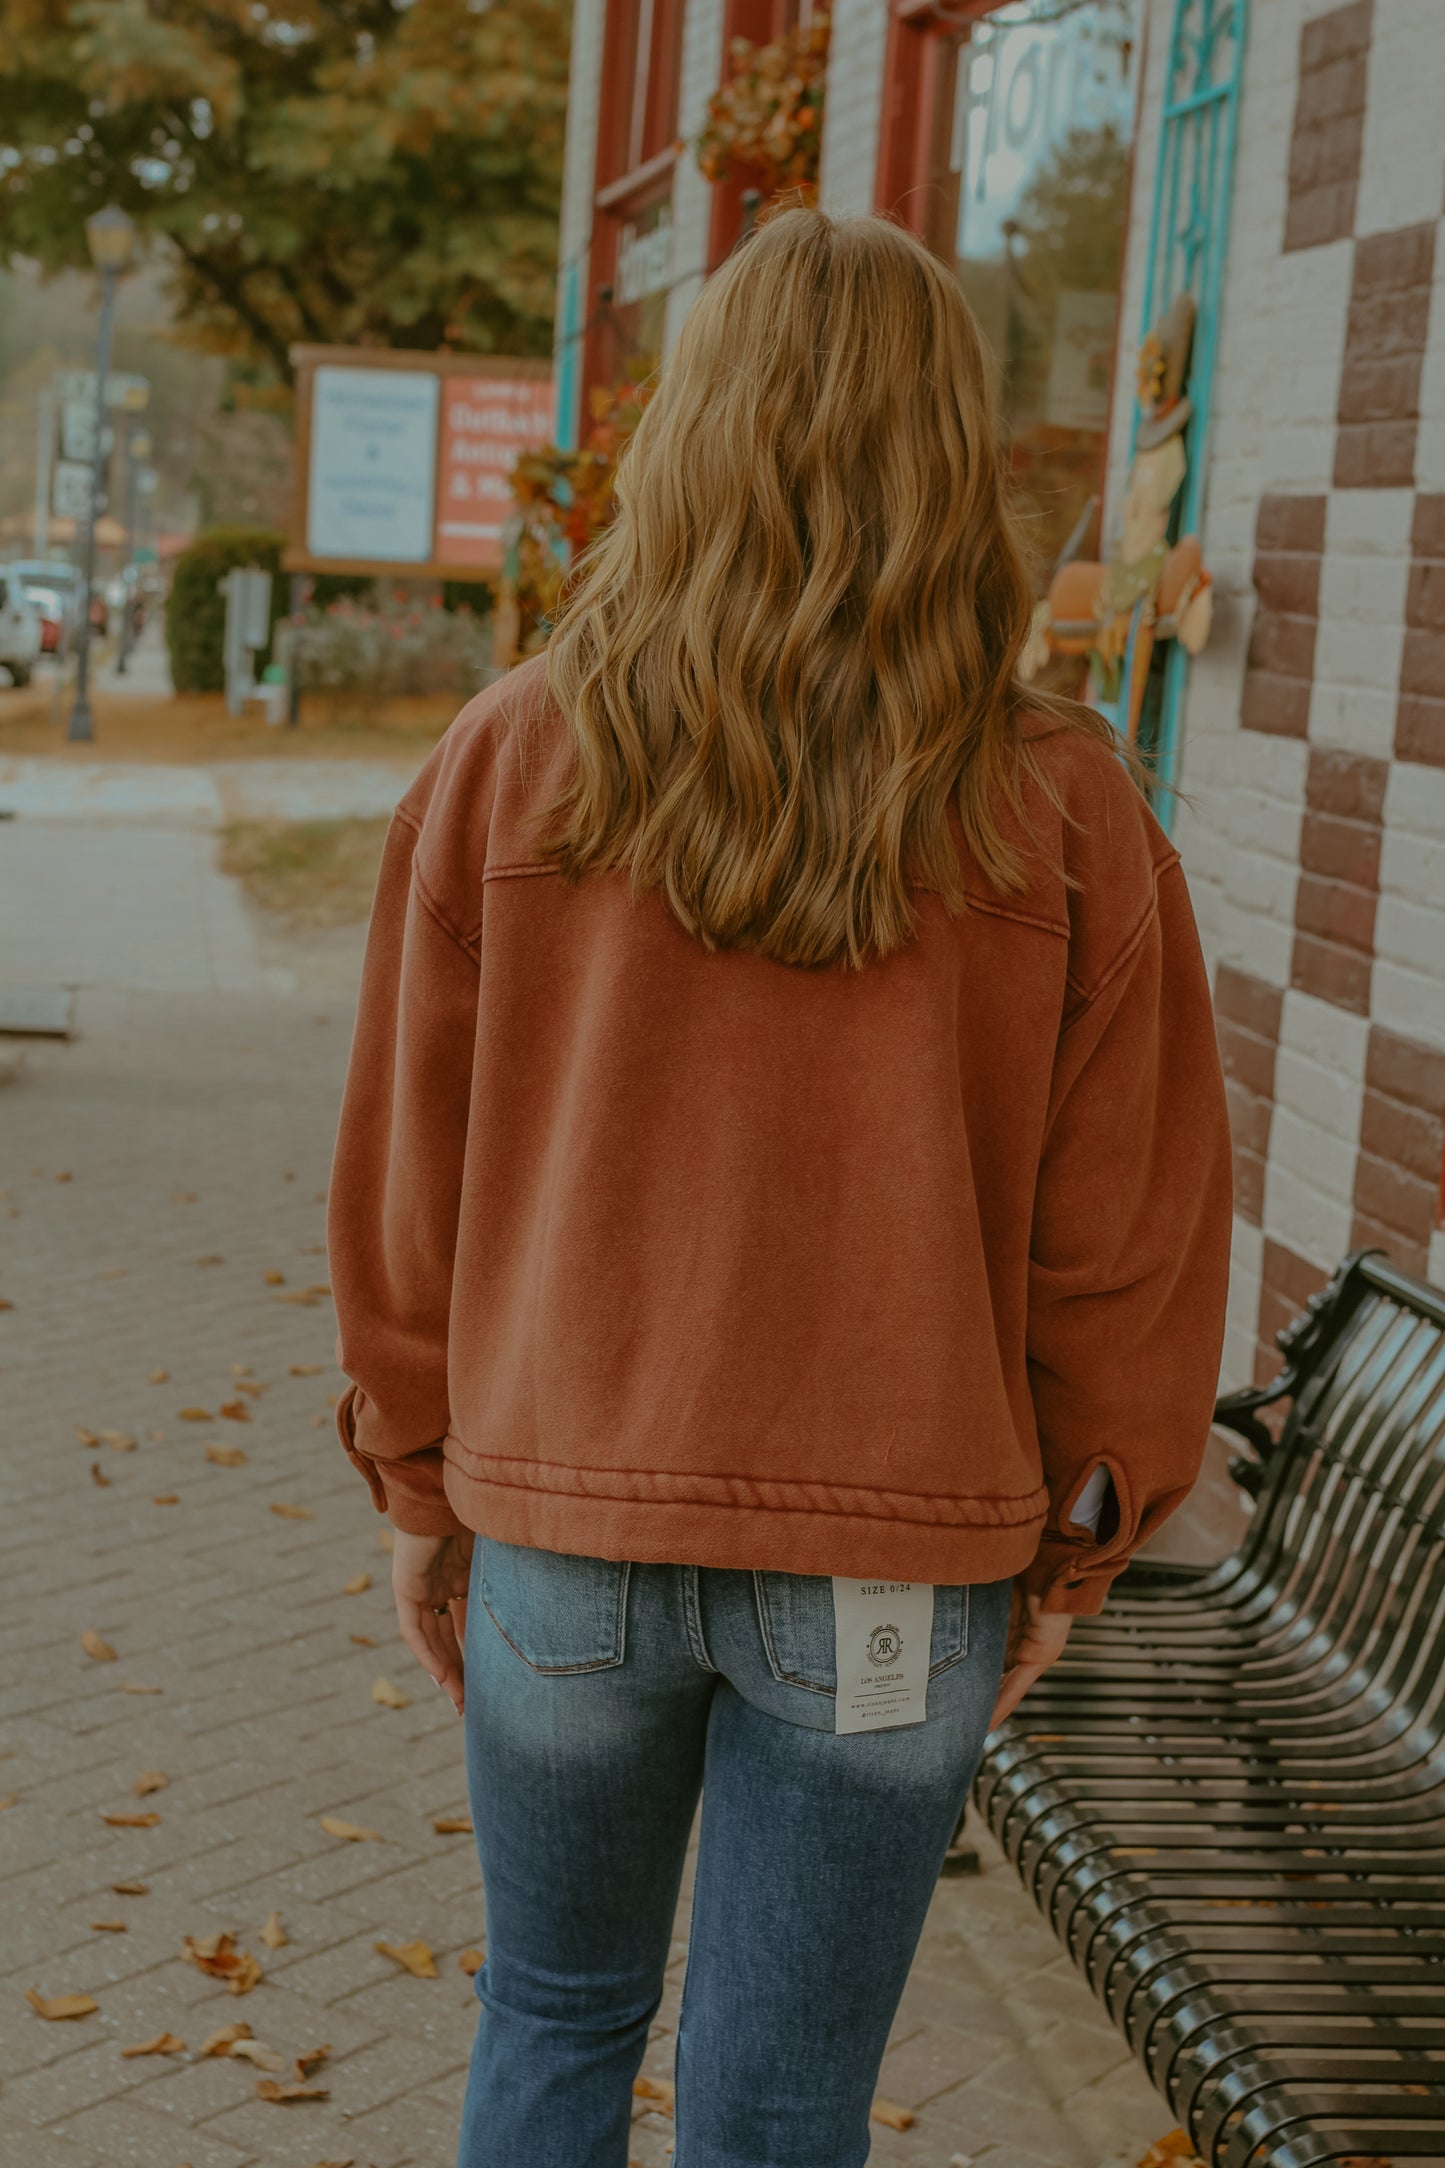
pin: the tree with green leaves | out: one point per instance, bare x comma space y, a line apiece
343, 172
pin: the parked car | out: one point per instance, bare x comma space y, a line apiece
54, 589
19, 629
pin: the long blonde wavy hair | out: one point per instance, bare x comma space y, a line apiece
797, 644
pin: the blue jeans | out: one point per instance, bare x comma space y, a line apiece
601, 1700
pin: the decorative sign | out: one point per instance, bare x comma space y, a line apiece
644, 257
486, 422
372, 464
405, 459
74, 481
130, 392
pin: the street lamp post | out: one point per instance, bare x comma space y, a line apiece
111, 236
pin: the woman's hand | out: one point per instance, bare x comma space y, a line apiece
1035, 1640
429, 1579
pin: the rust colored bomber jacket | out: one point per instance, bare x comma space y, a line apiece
641, 1251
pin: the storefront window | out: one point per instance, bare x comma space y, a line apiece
1042, 127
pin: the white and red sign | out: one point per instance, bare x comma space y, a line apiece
486, 421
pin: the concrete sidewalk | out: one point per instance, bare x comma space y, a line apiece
162, 1213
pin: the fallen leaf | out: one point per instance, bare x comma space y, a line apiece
350, 2160
212, 1260
96, 1645
236, 1411
472, 1961
150, 1780
164, 2043
224, 2041
183, 1196
86, 1437
352, 1832
252, 1387
157, 1437
127, 1688
131, 1889
59, 2006
119, 1441
98, 1476
453, 1825
251, 2051
311, 2059
240, 1370
389, 1696
131, 1821
159, 1376
294, 1513
363, 1641
274, 1279
306, 1370
218, 1956
891, 2115
116, 1272
108, 1927
227, 1456
1176, 2146
290, 2089
167, 1498
194, 1415
301, 1296
273, 1934
6, 1303
66, 1177
660, 2090
413, 1957
357, 1585
10, 1799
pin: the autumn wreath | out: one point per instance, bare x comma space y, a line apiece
766, 122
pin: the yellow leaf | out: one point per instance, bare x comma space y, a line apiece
167, 1498
471, 1962
236, 1411
120, 1441
357, 1585
218, 1956
131, 1889
224, 2041
159, 1376
98, 1476
59, 2006
108, 1927
279, 2089
96, 1645
311, 2059
251, 2051
252, 1387
131, 1821
194, 1415
273, 1934
294, 1513
10, 1799
227, 1456
150, 1780
389, 1696
127, 1688
363, 1641
306, 1370
352, 1832
164, 2043
86, 1437
891, 2115
453, 1825
413, 1957
659, 2090
274, 1279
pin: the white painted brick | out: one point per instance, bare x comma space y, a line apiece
848, 177
1369, 522
1356, 649
1435, 1270
1415, 800
1312, 1222
1320, 1032
1241, 1329
1402, 172
1353, 718
1403, 999
702, 62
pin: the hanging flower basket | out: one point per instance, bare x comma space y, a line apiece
765, 124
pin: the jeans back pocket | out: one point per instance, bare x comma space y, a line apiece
795, 1615
558, 1612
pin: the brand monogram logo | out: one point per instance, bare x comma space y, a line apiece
885, 1645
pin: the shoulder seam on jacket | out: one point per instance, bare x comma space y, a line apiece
435, 911
1128, 947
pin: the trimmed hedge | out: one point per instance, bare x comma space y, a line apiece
196, 612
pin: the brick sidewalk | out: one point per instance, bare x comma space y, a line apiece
157, 1170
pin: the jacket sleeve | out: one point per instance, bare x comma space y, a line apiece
1129, 1257
396, 1188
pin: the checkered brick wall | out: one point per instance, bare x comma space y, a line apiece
1313, 830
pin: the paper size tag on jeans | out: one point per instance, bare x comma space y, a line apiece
884, 1634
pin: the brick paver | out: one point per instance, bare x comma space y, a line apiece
155, 1172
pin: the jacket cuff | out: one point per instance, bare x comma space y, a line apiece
409, 1492
1070, 1577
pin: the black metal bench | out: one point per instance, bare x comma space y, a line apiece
1228, 1799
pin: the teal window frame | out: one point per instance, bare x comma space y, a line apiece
1188, 245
